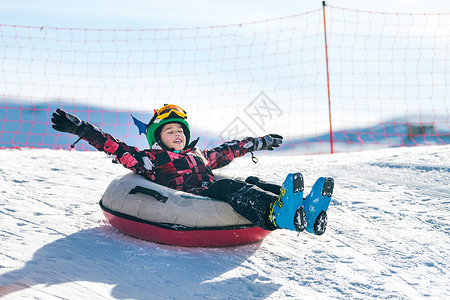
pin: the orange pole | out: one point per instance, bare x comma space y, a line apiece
328, 77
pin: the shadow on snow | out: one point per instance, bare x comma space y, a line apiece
139, 269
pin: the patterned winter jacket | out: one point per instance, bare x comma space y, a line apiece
189, 170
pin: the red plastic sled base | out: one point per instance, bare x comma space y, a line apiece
189, 238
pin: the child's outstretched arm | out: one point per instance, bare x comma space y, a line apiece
129, 157
221, 156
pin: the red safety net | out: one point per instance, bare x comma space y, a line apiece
328, 80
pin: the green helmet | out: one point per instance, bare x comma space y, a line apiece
167, 114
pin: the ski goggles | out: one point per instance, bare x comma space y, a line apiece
170, 111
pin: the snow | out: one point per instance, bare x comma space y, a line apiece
388, 233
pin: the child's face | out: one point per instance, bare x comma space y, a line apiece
172, 135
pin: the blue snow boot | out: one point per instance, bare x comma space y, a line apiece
316, 205
287, 211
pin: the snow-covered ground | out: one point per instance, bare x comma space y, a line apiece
388, 234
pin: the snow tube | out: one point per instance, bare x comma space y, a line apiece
149, 211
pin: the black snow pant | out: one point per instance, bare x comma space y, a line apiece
251, 199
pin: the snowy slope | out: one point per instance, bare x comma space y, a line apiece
388, 235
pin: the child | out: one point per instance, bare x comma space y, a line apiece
176, 162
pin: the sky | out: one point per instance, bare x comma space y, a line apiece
139, 14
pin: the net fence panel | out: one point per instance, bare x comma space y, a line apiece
388, 80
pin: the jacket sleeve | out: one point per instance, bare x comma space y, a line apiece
222, 155
130, 157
